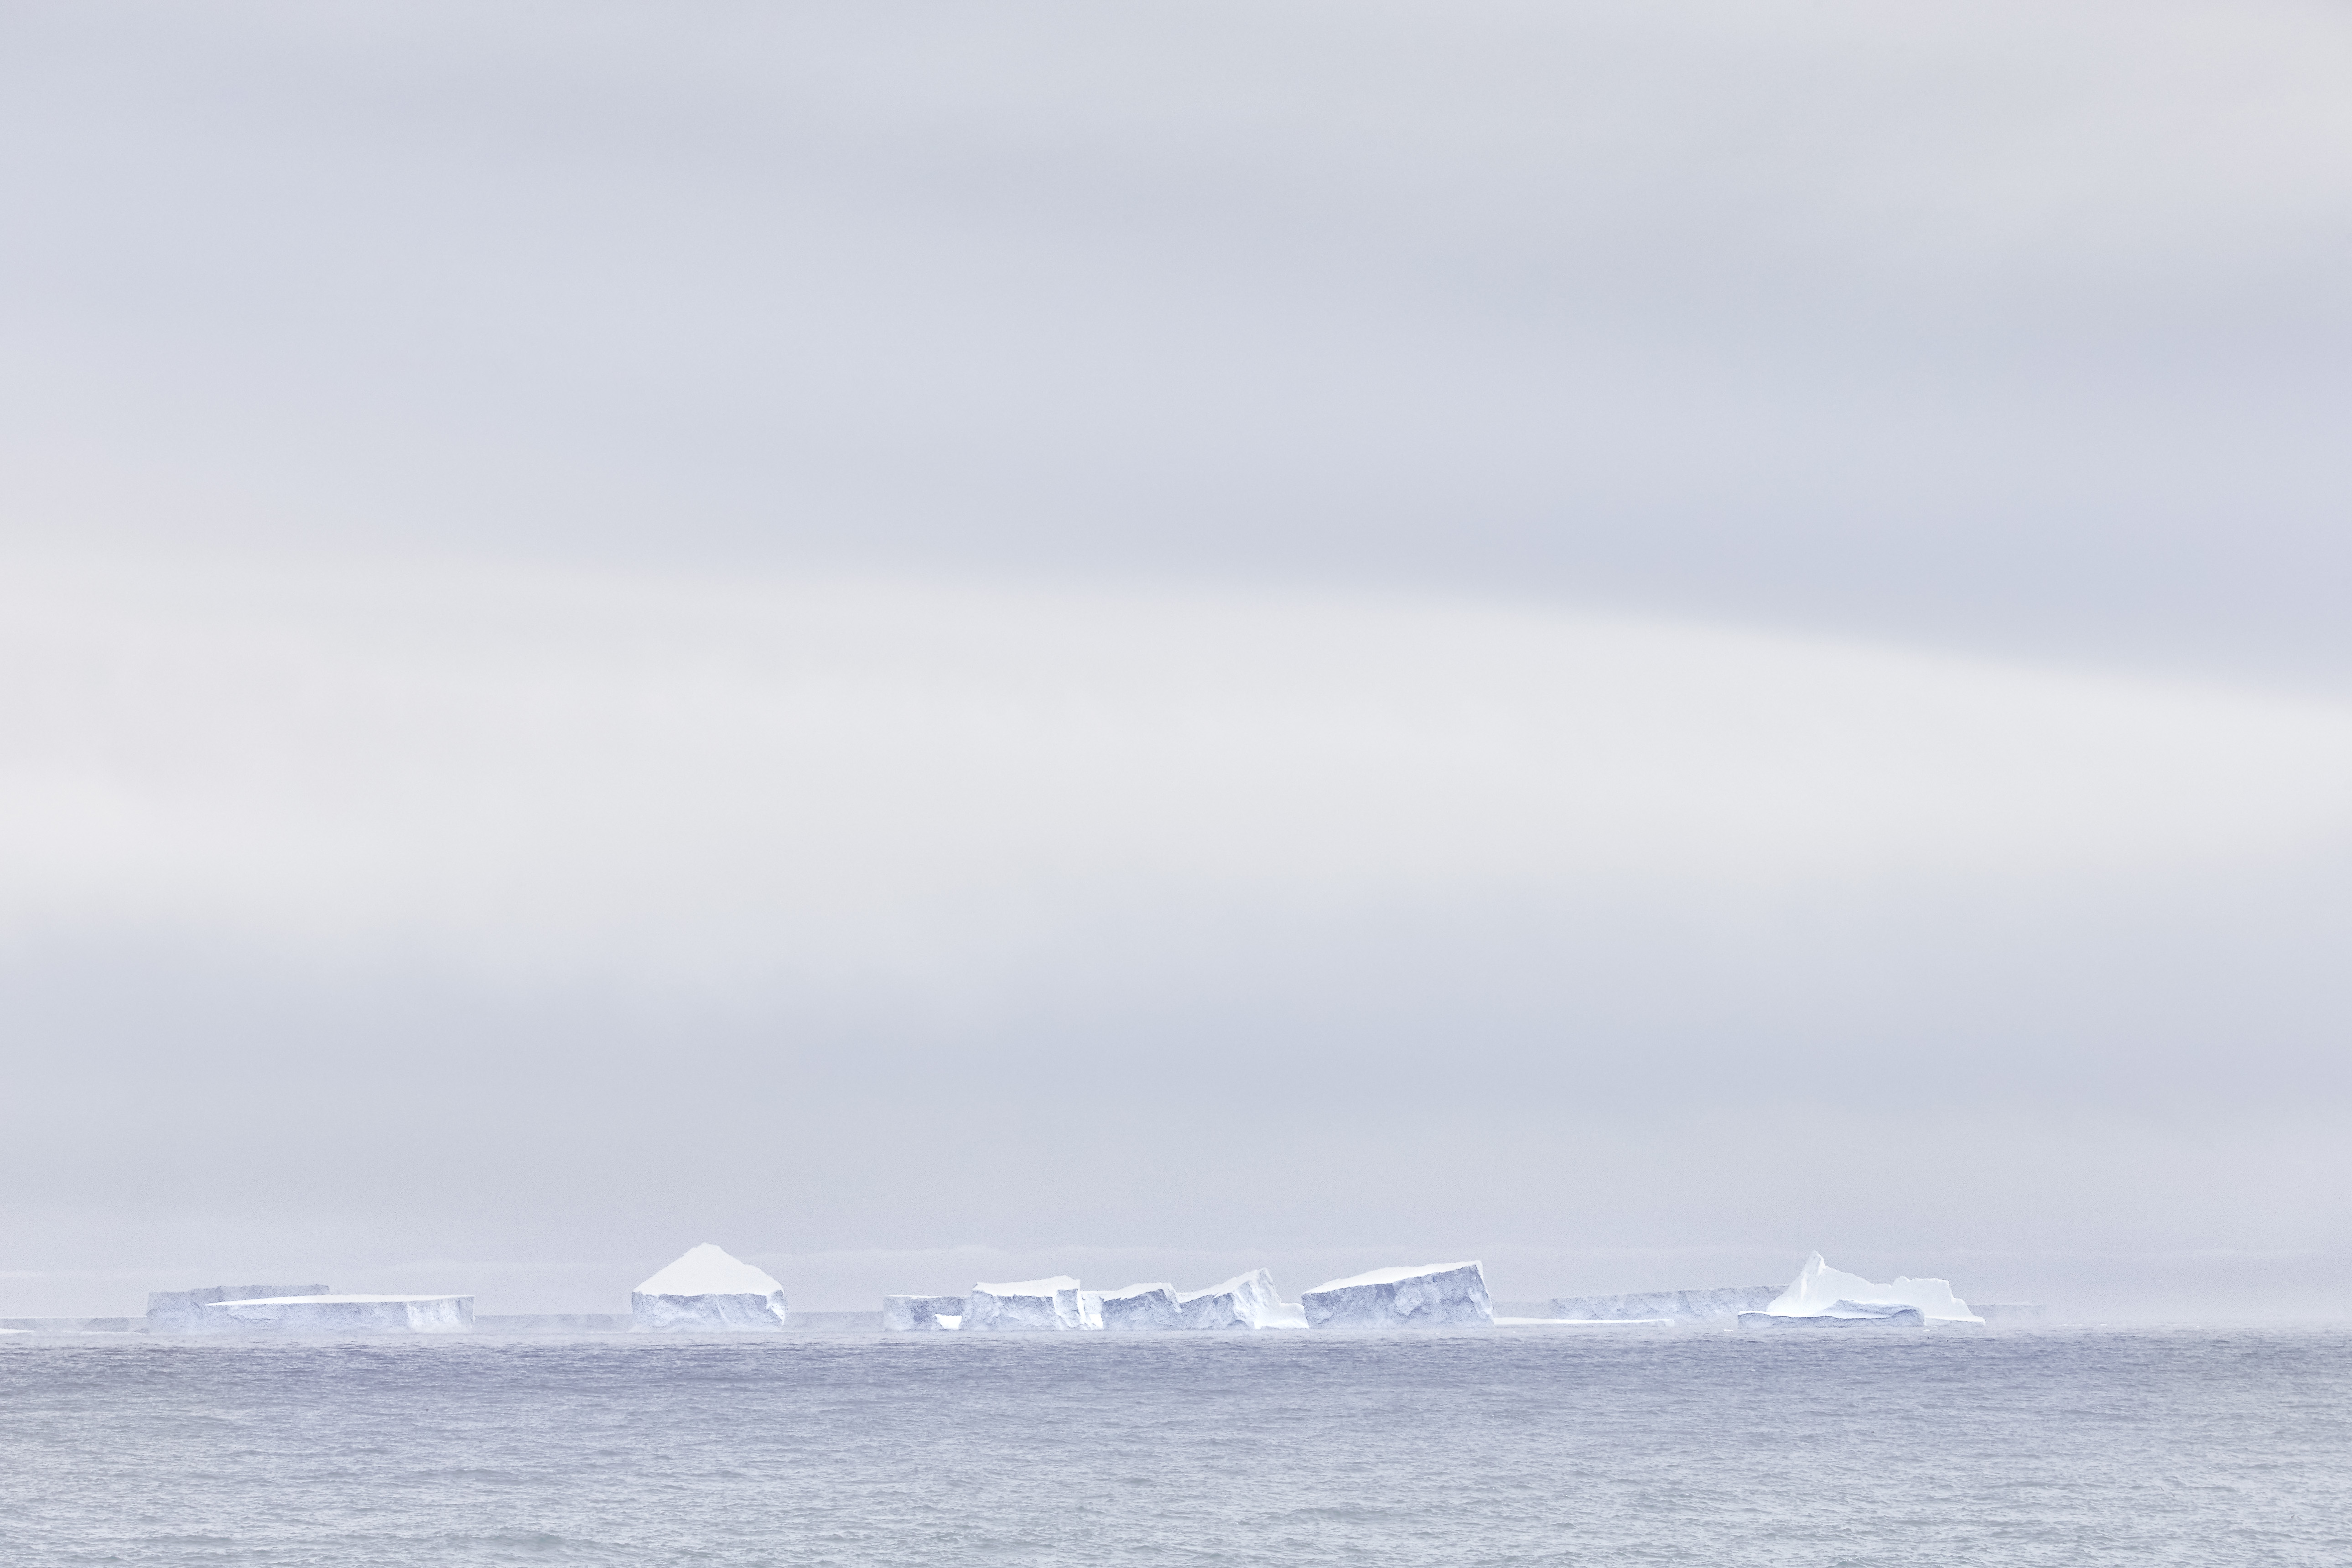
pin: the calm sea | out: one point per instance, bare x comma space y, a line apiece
1535, 1447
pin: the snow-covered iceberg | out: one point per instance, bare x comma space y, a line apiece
1025, 1305
182, 1311
922, 1314
1244, 1301
1822, 1291
1432, 1296
338, 1315
1134, 1309
707, 1291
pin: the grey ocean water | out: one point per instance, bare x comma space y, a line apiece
1538, 1446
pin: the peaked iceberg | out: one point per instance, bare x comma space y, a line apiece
920, 1314
708, 1292
1025, 1305
1431, 1296
1822, 1291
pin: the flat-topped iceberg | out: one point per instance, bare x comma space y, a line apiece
182, 1311
338, 1315
1244, 1301
922, 1314
1430, 1296
1140, 1309
1025, 1305
1822, 1291
708, 1292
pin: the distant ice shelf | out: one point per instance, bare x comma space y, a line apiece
1681, 1306
182, 1311
340, 1315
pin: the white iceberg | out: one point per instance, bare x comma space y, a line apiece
1431, 1296
1244, 1301
1135, 1309
1025, 1305
1839, 1315
1822, 1291
338, 1315
708, 1292
922, 1314
182, 1311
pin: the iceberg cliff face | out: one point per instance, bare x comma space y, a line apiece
920, 1314
1432, 1296
1818, 1290
1023, 1306
708, 1292
340, 1315
1244, 1301
182, 1311
1141, 1308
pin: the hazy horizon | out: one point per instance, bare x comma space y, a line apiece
936, 644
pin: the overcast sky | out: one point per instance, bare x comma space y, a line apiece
937, 642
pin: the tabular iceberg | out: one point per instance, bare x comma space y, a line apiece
1030, 1305
922, 1314
707, 1291
1432, 1296
1244, 1301
1822, 1291
1141, 1308
182, 1311
340, 1315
